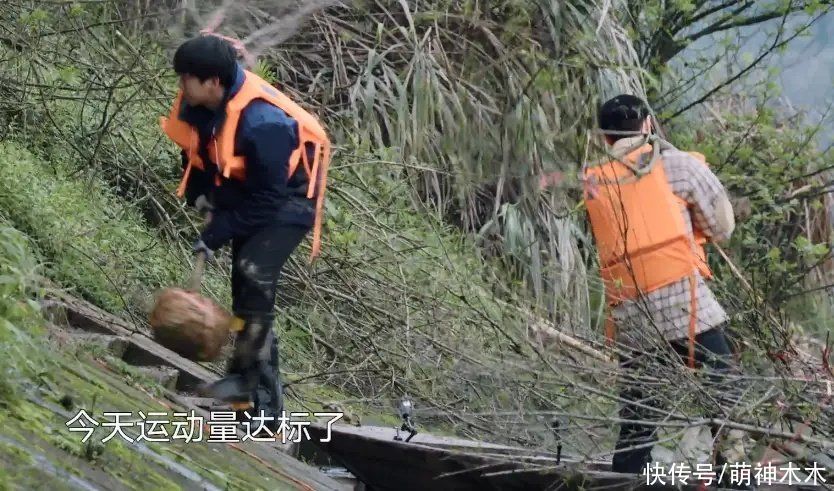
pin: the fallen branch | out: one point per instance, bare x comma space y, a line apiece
548, 334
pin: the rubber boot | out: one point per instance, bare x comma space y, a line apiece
253, 385
268, 397
242, 376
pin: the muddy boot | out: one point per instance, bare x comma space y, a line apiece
268, 397
242, 376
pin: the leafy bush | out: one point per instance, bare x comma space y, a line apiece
19, 319
783, 248
91, 240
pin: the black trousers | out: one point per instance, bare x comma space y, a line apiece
711, 350
257, 262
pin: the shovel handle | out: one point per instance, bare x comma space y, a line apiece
200, 264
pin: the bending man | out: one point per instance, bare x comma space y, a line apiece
258, 162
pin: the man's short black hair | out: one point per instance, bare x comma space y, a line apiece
205, 57
623, 113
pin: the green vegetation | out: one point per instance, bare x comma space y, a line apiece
22, 358
94, 241
42, 389
783, 247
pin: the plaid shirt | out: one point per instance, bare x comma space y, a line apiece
665, 311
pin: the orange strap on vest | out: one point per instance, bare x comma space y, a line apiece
641, 236
312, 137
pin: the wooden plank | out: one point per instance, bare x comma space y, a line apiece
144, 351
141, 349
115, 344
84, 315
188, 403
201, 402
277, 455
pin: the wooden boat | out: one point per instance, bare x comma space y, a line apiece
444, 463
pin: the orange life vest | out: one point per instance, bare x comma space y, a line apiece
311, 134
640, 234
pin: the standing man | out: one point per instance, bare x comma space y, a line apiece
258, 162
651, 208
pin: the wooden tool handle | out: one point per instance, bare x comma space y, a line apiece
200, 265
197, 275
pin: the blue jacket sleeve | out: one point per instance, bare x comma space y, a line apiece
267, 143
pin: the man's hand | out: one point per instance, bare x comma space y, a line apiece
550, 179
203, 204
741, 207
200, 246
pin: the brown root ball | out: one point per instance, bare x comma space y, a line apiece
189, 324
